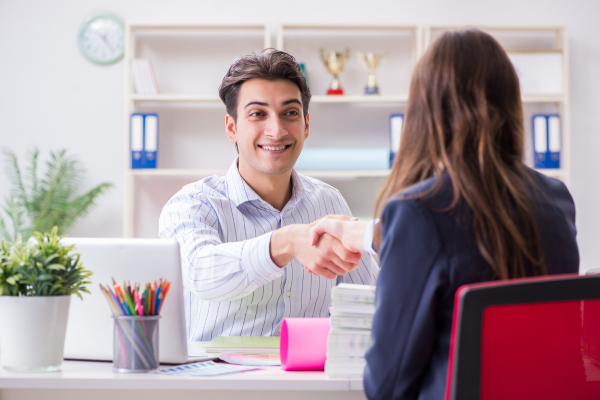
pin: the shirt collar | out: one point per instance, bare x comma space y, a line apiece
239, 192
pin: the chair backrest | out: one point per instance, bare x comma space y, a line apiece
526, 338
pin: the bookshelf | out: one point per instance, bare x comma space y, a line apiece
533, 40
189, 61
191, 113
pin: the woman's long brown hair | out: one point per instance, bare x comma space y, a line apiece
464, 118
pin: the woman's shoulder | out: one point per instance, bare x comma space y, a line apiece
546, 184
435, 192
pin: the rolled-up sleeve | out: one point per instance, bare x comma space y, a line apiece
213, 270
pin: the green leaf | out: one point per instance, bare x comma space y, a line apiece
39, 205
56, 267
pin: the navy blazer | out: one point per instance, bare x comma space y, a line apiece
426, 256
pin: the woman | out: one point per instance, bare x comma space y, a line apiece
459, 207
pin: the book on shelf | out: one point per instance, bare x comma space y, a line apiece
352, 310
546, 140
143, 140
396, 122
144, 80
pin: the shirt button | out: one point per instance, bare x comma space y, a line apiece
289, 293
270, 276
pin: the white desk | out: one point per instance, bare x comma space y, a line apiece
82, 380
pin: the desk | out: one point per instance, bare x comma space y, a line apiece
82, 380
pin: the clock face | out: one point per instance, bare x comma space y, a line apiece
101, 39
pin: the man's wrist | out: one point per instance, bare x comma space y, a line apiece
282, 245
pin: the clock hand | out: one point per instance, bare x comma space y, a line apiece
107, 43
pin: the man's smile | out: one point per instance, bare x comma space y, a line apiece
275, 148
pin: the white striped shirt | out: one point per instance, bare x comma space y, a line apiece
231, 285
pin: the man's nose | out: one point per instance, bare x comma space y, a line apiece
274, 128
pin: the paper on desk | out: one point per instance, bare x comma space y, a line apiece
261, 360
207, 368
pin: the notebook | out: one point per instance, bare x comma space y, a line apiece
243, 345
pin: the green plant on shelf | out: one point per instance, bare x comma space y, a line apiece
41, 266
37, 205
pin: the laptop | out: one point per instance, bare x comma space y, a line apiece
90, 326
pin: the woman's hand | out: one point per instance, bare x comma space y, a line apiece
349, 231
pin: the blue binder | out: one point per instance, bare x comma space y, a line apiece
546, 133
136, 134
150, 140
143, 140
396, 122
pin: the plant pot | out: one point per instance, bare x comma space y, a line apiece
32, 332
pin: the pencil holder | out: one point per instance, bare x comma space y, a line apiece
135, 343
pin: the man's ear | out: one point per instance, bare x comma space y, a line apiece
307, 126
230, 128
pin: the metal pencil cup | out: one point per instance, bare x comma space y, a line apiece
135, 343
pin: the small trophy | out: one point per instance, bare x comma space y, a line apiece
371, 61
335, 61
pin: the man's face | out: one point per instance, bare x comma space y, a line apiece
270, 129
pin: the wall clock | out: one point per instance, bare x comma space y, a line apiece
102, 38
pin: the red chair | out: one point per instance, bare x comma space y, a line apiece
530, 338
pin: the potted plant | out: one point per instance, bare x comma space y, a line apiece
37, 279
38, 203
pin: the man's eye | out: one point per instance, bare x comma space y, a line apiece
256, 114
293, 112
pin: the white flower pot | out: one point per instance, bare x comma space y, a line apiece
32, 332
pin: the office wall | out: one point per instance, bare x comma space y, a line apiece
51, 97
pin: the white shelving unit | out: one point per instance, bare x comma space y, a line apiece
541, 39
376, 173
175, 34
350, 120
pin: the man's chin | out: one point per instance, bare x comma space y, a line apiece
277, 170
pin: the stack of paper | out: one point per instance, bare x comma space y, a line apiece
243, 345
144, 81
353, 307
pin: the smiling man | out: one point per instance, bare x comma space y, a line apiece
244, 237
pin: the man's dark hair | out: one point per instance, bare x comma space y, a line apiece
268, 64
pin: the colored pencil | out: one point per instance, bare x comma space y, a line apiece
128, 300
121, 297
166, 291
152, 300
140, 310
111, 305
158, 299
115, 300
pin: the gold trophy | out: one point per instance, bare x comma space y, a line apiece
335, 61
371, 61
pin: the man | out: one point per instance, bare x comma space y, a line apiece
245, 243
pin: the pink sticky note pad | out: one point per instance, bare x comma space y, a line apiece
303, 345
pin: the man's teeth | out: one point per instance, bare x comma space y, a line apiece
272, 148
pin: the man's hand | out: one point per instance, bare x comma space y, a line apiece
327, 258
350, 233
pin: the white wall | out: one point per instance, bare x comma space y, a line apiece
51, 97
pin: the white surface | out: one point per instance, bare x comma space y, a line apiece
32, 331
67, 102
539, 73
90, 328
99, 375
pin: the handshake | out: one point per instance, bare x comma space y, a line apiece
328, 247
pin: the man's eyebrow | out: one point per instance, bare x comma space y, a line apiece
290, 101
259, 103
285, 103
